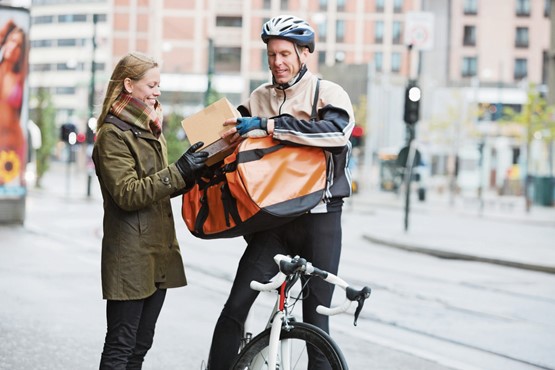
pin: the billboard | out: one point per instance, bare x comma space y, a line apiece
14, 57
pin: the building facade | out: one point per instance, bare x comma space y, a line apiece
484, 54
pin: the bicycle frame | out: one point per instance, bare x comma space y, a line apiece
279, 351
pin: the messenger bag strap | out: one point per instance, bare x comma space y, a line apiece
256, 154
314, 115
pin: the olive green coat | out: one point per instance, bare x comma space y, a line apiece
139, 246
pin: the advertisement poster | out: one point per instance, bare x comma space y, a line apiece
14, 56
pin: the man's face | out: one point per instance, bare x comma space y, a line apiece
283, 59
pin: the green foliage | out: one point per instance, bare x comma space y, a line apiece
44, 115
175, 137
536, 117
360, 111
211, 96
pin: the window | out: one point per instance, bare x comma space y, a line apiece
65, 67
380, 6
398, 6
321, 57
41, 67
378, 61
264, 59
229, 21
523, 8
67, 42
64, 90
253, 84
323, 4
395, 62
322, 31
72, 18
340, 31
469, 66
545, 63
43, 19
41, 43
521, 37
340, 5
101, 18
521, 68
99, 66
284, 4
469, 37
470, 7
547, 8
396, 37
267, 4
227, 59
378, 32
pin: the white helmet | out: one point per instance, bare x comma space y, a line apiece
289, 27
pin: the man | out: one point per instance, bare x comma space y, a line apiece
284, 109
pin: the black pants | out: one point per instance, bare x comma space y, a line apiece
130, 331
316, 237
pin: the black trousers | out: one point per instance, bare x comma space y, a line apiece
130, 331
316, 237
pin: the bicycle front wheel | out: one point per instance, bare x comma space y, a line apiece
295, 342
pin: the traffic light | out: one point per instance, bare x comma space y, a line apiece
68, 133
413, 94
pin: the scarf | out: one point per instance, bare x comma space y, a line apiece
132, 110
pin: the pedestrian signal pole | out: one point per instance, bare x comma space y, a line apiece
89, 130
411, 115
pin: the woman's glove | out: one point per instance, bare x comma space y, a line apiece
252, 126
191, 162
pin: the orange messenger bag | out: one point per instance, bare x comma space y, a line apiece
261, 185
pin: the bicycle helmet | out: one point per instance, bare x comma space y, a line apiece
289, 27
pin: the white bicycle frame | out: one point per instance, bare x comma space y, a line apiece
279, 312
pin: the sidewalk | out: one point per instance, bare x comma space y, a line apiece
500, 232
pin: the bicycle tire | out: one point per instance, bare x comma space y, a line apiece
300, 332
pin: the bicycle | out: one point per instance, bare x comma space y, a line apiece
277, 345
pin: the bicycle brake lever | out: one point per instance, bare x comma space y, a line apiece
361, 297
357, 311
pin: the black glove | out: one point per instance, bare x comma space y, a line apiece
191, 162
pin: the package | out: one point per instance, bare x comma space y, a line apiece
207, 125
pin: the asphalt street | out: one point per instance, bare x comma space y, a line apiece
425, 312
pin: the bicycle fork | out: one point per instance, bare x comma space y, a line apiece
275, 331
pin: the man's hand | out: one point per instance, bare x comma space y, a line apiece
252, 126
247, 127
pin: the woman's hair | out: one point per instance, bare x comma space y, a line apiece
134, 66
21, 61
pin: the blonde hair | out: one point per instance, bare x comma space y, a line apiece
134, 66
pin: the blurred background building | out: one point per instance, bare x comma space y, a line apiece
471, 58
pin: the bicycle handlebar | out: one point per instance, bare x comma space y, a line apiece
289, 266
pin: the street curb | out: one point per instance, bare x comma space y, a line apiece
459, 256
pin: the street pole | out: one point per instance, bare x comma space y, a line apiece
408, 172
411, 116
210, 72
551, 59
90, 133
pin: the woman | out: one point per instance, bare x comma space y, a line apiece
140, 254
12, 77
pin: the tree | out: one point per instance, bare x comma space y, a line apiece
44, 115
175, 137
538, 122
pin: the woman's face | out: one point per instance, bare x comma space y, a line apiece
12, 47
147, 89
283, 60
